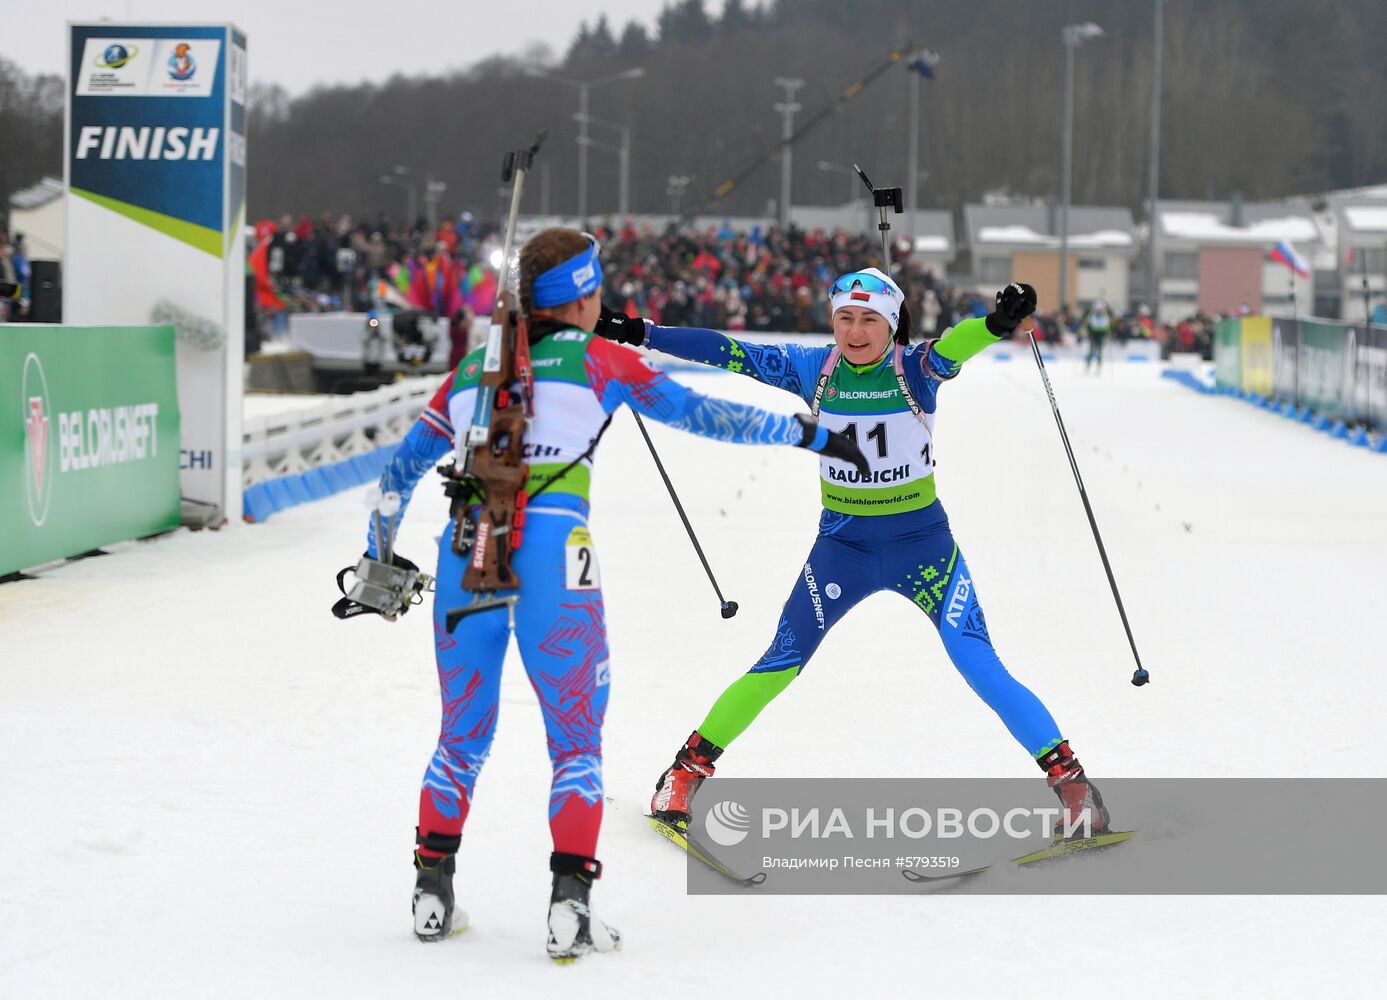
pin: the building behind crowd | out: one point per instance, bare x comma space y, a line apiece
1359, 274
1021, 242
37, 213
1215, 257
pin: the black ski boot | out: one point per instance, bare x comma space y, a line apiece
573, 930
435, 915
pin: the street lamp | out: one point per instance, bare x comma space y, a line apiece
584, 86
394, 181
921, 66
623, 189
433, 192
1073, 36
787, 109
1153, 289
675, 190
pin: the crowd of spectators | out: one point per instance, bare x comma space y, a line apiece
769, 281
765, 280
309, 273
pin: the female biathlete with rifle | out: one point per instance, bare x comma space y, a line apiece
881, 531
579, 381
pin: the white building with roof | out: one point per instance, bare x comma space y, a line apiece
1362, 256
1215, 258
38, 213
1021, 243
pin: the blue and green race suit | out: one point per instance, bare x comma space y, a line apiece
886, 531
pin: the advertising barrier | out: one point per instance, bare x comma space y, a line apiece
1228, 370
1368, 361
89, 435
1255, 354
1285, 349
1322, 372
1336, 371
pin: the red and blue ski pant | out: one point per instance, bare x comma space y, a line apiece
562, 635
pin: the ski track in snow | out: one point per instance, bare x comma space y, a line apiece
209, 784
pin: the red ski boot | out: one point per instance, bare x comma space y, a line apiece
676, 787
1076, 793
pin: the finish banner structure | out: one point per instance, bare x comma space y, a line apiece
155, 157
88, 439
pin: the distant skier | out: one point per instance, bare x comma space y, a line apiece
1097, 326
883, 531
559, 620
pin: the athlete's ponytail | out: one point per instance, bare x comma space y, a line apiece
905, 328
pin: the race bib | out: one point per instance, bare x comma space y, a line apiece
581, 562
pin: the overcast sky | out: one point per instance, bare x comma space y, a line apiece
298, 43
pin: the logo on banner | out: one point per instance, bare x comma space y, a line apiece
165, 67
182, 65
115, 55
37, 414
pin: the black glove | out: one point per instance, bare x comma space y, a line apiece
832, 444
1014, 303
620, 327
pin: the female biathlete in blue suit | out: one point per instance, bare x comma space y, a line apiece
881, 531
579, 381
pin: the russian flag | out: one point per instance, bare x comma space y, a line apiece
1284, 253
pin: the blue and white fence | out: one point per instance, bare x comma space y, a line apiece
306, 454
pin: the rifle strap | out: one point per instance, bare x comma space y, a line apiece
591, 448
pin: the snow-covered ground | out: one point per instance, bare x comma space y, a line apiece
209, 784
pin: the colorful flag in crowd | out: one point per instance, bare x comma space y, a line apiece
433, 285
1284, 253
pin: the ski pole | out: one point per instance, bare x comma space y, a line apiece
1141, 676
729, 608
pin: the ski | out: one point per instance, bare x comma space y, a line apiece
1059, 849
681, 839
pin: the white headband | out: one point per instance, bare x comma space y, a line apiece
885, 302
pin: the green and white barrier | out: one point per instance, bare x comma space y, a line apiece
89, 439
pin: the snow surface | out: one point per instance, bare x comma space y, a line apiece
209, 784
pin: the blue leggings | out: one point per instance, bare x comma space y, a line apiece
914, 555
562, 634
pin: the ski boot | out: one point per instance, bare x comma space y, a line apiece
676, 787
1076, 793
435, 915
573, 930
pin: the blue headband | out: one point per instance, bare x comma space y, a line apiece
569, 281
